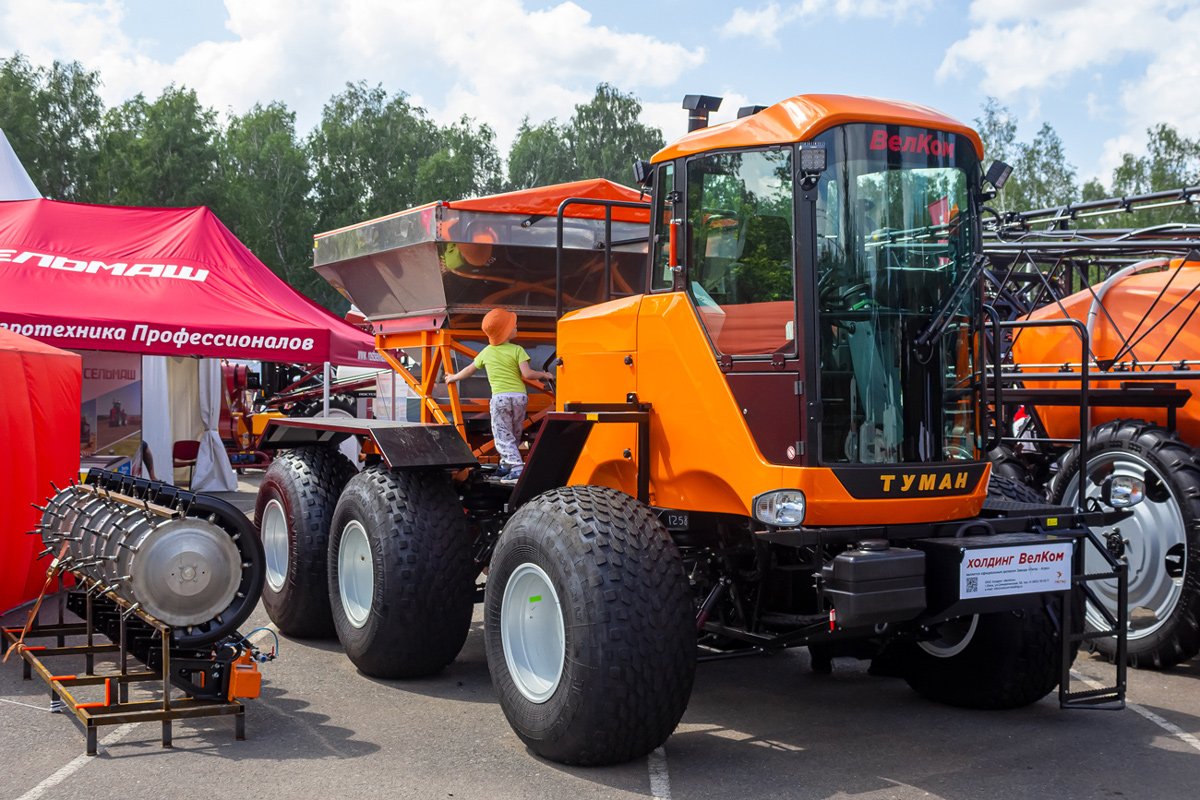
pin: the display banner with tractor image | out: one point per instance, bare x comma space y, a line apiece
110, 424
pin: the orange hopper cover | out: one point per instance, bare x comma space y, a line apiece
39, 423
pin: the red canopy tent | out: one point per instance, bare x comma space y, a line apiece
39, 422
157, 281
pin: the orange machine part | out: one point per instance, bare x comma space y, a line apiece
800, 118
1170, 335
245, 680
703, 456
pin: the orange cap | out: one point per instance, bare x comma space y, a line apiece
498, 324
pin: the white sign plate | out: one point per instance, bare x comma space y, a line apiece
1025, 569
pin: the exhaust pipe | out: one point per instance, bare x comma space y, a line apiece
699, 106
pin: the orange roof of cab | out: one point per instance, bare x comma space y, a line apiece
801, 118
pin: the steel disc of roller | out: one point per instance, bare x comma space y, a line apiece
185, 571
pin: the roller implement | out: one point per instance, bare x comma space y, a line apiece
769, 429
167, 576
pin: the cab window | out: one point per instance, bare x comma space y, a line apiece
664, 185
741, 276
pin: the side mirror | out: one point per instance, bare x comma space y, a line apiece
1122, 491
998, 174
643, 173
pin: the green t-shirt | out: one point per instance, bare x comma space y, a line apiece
503, 365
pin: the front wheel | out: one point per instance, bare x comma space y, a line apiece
590, 638
1007, 659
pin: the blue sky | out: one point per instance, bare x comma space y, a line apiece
1099, 71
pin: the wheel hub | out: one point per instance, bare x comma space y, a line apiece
275, 544
356, 573
533, 633
1148, 540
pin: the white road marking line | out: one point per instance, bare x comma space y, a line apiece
660, 781
74, 764
1171, 728
15, 703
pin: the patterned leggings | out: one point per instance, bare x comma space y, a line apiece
508, 417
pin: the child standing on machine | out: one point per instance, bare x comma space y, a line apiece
506, 364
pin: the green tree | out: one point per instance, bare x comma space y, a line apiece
540, 156
50, 117
267, 195
466, 164
1172, 161
1041, 177
366, 152
606, 135
1046, 178
160, 154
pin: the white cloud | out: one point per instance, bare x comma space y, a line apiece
1024, 47
494, 60
765, 22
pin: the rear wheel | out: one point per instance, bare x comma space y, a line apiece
1162, 538
987, 661
589, 628
293, 510
1010, 489
401, 582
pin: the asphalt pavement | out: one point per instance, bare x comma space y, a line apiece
761, 727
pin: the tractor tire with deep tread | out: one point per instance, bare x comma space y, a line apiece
626, 657
411, 615
1010, 489
1006, 464
1163, 538
1011, 659
292, 513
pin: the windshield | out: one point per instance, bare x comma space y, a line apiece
894, 233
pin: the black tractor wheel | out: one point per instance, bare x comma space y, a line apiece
1161, 538
401, 576
590, 633
1002, 487
292, 513
1003, 660
1006, 464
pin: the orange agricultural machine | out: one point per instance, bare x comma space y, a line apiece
768, 430
1124, 372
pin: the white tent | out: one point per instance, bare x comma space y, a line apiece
14, 180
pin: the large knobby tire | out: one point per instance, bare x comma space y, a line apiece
292, 513
589, 628
1162, 538
1003, 660
1007, 488
401, 577
1005, 464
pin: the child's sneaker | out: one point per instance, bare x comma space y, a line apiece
511, 477
501, 472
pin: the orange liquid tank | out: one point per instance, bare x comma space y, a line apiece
1120, 330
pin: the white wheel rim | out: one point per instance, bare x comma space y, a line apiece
953, 637
356, 573
533, 634
275, 544
1156, 540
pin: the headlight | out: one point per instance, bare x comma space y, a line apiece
1122, 491
782, 508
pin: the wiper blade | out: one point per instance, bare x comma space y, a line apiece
945, 312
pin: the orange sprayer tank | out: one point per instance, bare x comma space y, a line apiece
1168, 333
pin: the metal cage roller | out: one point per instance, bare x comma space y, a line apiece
189, 560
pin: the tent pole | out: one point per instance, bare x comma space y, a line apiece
325, 392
